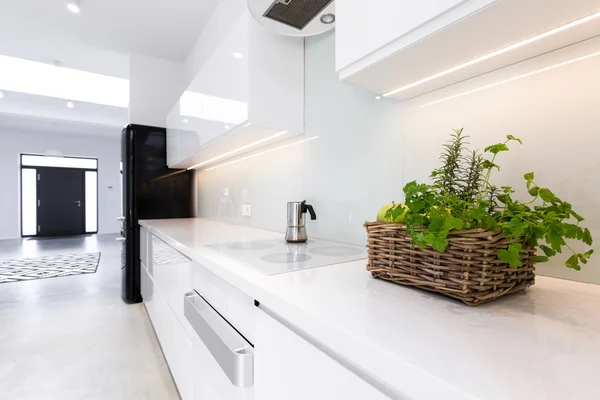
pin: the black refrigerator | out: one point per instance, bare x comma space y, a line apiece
150, 191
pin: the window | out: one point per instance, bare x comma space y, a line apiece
29, 201
91, 201
62, 162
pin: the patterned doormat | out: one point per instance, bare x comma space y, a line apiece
27, 269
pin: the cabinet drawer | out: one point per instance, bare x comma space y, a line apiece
174, 281
175, 344
163, 254
223, 359
172, 275
234, 305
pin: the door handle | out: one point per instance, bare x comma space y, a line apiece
120, 239
121, 219
233, 353
78, 202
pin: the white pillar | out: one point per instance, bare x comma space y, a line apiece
155, 86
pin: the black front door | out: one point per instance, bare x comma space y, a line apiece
61, 201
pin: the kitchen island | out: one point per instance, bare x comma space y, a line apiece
399, 342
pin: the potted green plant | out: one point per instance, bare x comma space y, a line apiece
467, 238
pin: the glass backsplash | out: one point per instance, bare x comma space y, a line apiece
363, 150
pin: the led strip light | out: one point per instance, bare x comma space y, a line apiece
497, 53
491, 85
263, 152
239, 149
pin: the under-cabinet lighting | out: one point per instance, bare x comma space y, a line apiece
491, 85
239, 149
262, 152
497, 53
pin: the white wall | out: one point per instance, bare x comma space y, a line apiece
107, 150
154, 87
368, 149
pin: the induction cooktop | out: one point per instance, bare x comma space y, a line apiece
276, 256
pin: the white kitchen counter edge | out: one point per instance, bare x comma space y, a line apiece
374, 363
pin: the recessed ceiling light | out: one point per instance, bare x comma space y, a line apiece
1, 95
497, 53
227, 127
73, 6
328, 19
70, 104
377, 97
185, 121
237, 55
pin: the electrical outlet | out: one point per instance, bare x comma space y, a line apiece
246, 210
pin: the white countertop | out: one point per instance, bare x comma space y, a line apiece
543, 343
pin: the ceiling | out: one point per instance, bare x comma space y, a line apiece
44, 30
99, 39
21, 124
26, 112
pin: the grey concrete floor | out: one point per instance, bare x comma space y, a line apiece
73, 337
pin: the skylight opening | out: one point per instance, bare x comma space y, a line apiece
30, 77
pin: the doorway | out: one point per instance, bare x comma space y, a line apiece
59, 196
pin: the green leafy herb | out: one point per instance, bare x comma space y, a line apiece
462, 197
512, 255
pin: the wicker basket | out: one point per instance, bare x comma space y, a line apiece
469, 269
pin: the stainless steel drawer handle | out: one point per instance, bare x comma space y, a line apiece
233, 353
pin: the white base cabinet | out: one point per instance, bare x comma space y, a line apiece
220, 346
222, 358
164, 275
288, 367
209, 380
174, 342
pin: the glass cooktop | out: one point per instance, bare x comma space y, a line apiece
276, 256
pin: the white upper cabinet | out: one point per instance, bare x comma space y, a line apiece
248, 92
366, 29
404, 49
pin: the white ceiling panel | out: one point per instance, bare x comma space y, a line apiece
21, 124
160, 28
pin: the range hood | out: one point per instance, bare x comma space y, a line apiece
294, 17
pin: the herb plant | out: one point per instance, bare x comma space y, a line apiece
462, 197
